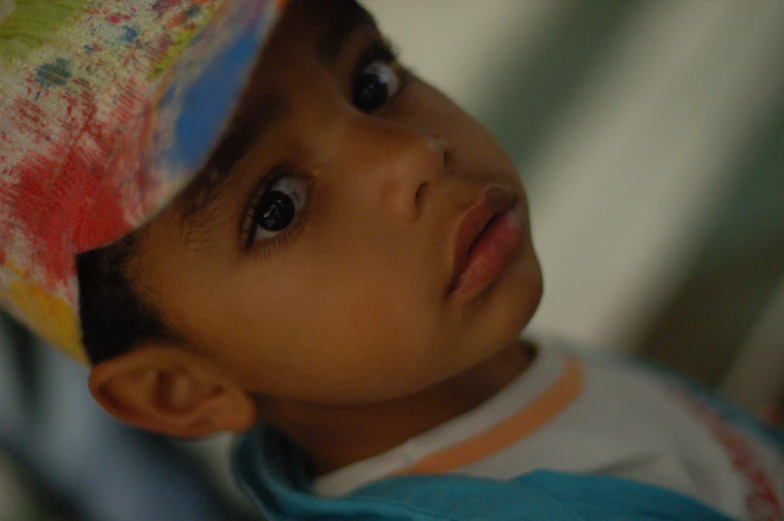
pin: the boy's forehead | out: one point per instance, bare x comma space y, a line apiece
333, 23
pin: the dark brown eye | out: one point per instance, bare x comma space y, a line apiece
375, 86
275, 212
279, 207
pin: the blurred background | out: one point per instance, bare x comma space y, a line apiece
650, 136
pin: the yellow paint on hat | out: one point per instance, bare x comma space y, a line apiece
49, 314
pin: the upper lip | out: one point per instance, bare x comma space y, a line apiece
494, 202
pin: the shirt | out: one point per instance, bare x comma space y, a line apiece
570, 420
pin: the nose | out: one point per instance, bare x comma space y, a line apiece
408, 164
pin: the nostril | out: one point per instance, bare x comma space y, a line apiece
444, 148
449, 157
421, 192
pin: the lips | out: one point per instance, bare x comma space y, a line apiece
489, 236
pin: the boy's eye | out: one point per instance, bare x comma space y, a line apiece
375, 85
278, 208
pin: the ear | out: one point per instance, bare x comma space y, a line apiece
171, 391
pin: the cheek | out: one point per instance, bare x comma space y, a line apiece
368, 335
327, 331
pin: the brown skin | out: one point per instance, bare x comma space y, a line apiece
341, 330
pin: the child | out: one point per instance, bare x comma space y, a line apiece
310, 239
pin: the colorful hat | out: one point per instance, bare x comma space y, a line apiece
107, 109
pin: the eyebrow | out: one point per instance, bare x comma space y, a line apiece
254, 117
346, 17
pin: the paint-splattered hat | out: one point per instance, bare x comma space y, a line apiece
107, 109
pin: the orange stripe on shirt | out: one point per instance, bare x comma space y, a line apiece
534, 415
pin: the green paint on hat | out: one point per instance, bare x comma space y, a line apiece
32, 23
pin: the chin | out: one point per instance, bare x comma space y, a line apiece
513, 300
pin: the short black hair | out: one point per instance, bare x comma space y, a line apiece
114, 316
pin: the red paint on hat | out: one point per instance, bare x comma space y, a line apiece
67, 201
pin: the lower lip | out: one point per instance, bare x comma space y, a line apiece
490, 254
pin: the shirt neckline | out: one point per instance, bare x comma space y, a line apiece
551, 382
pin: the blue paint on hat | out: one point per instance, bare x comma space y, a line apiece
54, 74
209, 102
130, 34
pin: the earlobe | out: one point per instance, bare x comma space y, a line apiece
170, 391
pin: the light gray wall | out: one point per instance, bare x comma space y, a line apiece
641, 129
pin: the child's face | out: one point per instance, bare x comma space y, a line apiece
324, 268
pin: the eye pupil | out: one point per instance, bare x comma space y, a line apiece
276, 211
370, 92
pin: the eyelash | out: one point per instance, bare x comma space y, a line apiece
268, 245
379, 50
